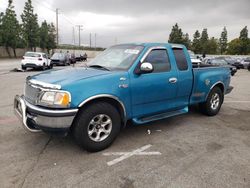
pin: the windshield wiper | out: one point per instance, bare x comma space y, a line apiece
99, 67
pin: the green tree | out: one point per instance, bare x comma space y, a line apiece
30, 27
196, 44
234, 47
1, 33
186, 41
244, 41
10, 29
176, 35
204, 41
223, 41
44, 35
51, 44
212, 46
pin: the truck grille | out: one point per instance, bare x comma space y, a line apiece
31, 93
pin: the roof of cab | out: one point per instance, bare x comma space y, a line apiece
151, 44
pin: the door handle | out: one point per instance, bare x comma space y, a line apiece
172, 80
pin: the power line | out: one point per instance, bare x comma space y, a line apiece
68, 19
45, 6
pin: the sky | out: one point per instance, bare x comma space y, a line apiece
125, 21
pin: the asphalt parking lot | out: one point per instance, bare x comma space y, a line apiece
190, 150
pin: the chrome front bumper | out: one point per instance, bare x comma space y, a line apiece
35, 119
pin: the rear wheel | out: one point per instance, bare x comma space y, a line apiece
44, 67
97, 126
24, 68
51, 66
213, 103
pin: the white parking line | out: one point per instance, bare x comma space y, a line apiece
125, 155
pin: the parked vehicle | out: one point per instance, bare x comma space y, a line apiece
222, 62
35, 60
195, 61
78, 57
245, 62
137, 82
85, 57
60, 59
237, 63
72, 59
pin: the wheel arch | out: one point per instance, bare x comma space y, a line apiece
113, 100
218, 84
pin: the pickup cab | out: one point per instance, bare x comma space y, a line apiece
129, 82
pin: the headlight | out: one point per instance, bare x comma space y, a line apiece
55, 99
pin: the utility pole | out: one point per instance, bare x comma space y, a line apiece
90, 40
57, 30
74, 40
95, 41
79, 30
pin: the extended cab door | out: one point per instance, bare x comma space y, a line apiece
156, 91
185, 76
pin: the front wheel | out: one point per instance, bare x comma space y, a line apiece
213, 103
97, 126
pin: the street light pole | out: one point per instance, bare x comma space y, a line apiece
57, 29
79, 30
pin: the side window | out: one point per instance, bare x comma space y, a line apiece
181, 59
159, 59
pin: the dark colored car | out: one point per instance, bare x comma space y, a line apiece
85, 57
72, 59
78, 57
222, 62
233, 62
59, 59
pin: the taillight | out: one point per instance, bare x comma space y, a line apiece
40, 59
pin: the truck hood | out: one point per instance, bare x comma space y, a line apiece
66, 76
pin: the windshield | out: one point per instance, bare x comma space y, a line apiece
57, 56
117, 57
218, 62
32, 54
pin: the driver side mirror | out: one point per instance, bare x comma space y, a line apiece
146, 68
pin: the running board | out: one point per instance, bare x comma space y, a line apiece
159, 116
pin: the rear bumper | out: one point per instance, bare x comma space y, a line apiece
229, 89
35, 118
55, 62
30, 65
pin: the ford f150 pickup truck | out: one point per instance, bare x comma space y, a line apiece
136, 82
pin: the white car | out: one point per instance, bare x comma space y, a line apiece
246, 62
195, 61
36, 60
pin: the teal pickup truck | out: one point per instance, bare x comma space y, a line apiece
129, 82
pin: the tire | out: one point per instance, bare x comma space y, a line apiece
24, 68
44, 67
212, 105
51, 66
92, 121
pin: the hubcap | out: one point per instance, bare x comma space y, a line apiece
99, 127
215, 101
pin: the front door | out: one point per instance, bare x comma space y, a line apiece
154, 92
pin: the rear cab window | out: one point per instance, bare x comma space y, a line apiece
159, 59
180, 59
